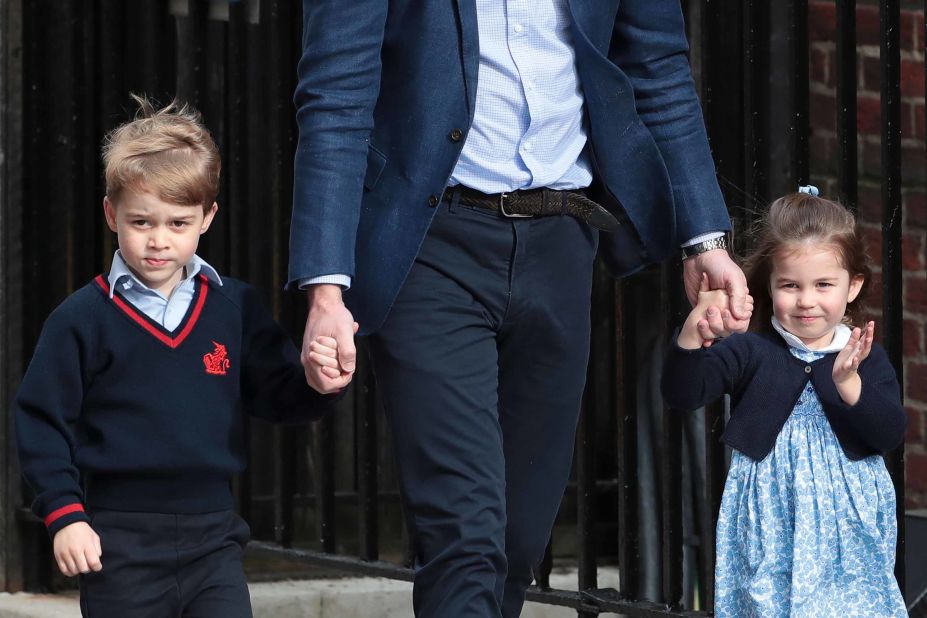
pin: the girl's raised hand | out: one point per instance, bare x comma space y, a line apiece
847, 362
853, 353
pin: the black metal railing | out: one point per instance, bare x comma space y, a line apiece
647, 484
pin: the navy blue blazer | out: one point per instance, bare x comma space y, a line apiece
383, 83
765, 381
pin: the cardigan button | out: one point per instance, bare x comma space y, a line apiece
807, 368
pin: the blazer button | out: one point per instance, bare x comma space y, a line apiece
433, 201
807, 368
455, 135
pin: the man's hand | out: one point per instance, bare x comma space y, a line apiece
723, 274
77, 549
328, 318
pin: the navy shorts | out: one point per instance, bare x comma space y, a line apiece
162, 565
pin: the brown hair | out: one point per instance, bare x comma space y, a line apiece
167, 152
796, 219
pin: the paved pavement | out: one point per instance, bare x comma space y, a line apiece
320, 598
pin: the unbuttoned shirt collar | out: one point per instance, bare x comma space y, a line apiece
841, 337
168, 312
119, 274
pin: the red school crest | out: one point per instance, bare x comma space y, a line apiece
217, 362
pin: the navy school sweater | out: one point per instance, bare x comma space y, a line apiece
765, 381
117, 412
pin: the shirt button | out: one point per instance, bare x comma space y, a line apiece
529, 147
432, 200
807, 368
518, 28
455, 135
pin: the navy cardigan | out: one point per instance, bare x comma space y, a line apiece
765, 381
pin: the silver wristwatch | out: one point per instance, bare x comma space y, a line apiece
706, 245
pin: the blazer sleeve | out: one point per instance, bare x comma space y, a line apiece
338, 85
694, 378
274, 385
878, 419
46, 410
649, 45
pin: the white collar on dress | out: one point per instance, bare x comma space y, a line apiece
841, 336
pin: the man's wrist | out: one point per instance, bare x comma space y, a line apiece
704, 246
323, 293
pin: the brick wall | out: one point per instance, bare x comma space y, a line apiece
822, 23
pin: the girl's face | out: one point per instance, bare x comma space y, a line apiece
810, 290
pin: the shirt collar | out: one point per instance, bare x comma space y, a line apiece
841, 337
120, 270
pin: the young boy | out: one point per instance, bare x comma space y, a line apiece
128, 419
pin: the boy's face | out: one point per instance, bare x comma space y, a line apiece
156, 238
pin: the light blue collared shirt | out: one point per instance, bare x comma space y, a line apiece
527, 128
168, 312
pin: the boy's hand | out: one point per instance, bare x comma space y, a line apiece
323, 352
328, 317
77, 549
847, 362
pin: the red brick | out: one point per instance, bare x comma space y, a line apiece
916, 471
912, 250
913, 164
915, 430
823, 112
823, 151
915, 209
821, 67
912, 78
872, 159
912, 120
912, 23
822, 21
919, 132
915, 298
872, 239
913, 338
870, 203
868, 116
869, 74
867, 25
915, 377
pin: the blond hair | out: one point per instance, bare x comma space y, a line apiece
167, 152
792, 221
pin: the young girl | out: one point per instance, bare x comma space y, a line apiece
807, 523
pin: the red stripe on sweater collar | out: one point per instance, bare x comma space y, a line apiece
141, 320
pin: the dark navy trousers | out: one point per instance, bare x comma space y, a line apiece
481, 365
158, 565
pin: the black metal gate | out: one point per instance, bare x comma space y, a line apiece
646, 485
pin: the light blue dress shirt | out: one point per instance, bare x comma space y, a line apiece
527, 128
168, 312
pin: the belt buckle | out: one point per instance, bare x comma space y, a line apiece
510, 215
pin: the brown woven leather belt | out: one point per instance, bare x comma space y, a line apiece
537, 203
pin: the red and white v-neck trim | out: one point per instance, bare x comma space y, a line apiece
168, 339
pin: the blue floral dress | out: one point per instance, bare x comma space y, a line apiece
806, 531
